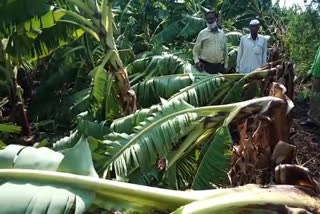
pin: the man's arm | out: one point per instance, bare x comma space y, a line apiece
197, 49
264, 52
240, 53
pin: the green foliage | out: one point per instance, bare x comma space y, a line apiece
84, 128
186, 28
103, 102
19, 12
157, 146
152, 139
150, 91
37, 32
50, 39
126, 124
304, 95
41, 189
9, 128
99, 88
46, 197
169, 132
303, 38
216, 161
61, 86
149, 67
242, 12
207, 91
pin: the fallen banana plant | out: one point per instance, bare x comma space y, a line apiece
134, 154
202, 89
175, 144
255, 199
157, 146
44, 184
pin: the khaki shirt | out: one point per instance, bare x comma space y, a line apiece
211, 47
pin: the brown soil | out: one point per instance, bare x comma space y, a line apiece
307, 139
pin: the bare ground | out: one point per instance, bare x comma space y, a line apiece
306, 139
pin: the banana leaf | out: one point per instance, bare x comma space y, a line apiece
15, 12
209, 91
31, 49
39, 197
234, 38
150, 91
153, 138
9, 128
187, 28
103, 102
146, 68
216, 161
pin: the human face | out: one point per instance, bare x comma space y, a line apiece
211, 18
254, 29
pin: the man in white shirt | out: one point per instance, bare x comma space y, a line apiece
210, 52
252, 52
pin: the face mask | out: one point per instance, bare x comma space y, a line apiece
212, 26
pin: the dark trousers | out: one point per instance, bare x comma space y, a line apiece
212, 68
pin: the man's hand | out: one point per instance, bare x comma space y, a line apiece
200, 66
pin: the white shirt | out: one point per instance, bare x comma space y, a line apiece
211, 47
252, 54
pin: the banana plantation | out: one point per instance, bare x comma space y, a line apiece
103, 110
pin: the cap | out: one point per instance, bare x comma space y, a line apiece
254, 22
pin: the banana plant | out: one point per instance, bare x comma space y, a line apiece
70, 19
100, 26
8, 80
169, 134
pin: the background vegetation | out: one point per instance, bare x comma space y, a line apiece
101, 88
144, 28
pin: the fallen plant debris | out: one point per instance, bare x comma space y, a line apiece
263, 143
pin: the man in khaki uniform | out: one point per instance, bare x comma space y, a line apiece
210, 53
